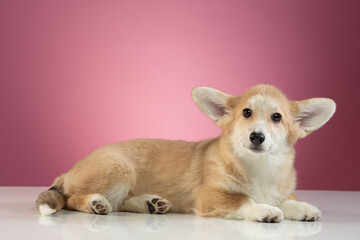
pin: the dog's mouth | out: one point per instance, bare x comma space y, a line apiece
253, 149
256, 149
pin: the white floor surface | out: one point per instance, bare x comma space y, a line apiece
20, 220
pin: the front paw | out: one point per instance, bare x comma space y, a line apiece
264, 213
300, 211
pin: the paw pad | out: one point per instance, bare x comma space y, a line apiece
158, 205
308, 219
270, 220
98, 207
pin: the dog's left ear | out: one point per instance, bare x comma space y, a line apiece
213, 103
313, 113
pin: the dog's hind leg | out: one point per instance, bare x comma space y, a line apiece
146, 203
103, 203
89, 203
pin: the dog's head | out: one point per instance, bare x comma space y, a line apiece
263, 120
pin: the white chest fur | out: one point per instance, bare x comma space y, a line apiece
262, 192
264, 177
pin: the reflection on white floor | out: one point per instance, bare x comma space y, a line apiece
20, 220
126, 225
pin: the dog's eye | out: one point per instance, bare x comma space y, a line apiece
247, 113
276, 117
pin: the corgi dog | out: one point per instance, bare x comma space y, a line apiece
247, 173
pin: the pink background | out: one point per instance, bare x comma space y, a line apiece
76, 75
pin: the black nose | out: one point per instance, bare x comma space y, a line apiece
257, 138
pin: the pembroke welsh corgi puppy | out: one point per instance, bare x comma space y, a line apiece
246, 173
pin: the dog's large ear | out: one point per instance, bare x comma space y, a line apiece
313, 113
212, 103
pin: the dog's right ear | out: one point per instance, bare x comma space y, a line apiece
212, 103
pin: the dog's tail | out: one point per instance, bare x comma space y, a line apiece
53, 199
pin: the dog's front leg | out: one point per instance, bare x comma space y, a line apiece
220, 203
300, 211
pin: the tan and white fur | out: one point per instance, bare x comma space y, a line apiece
247, 173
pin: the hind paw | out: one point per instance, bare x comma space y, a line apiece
99, 204
158, 205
